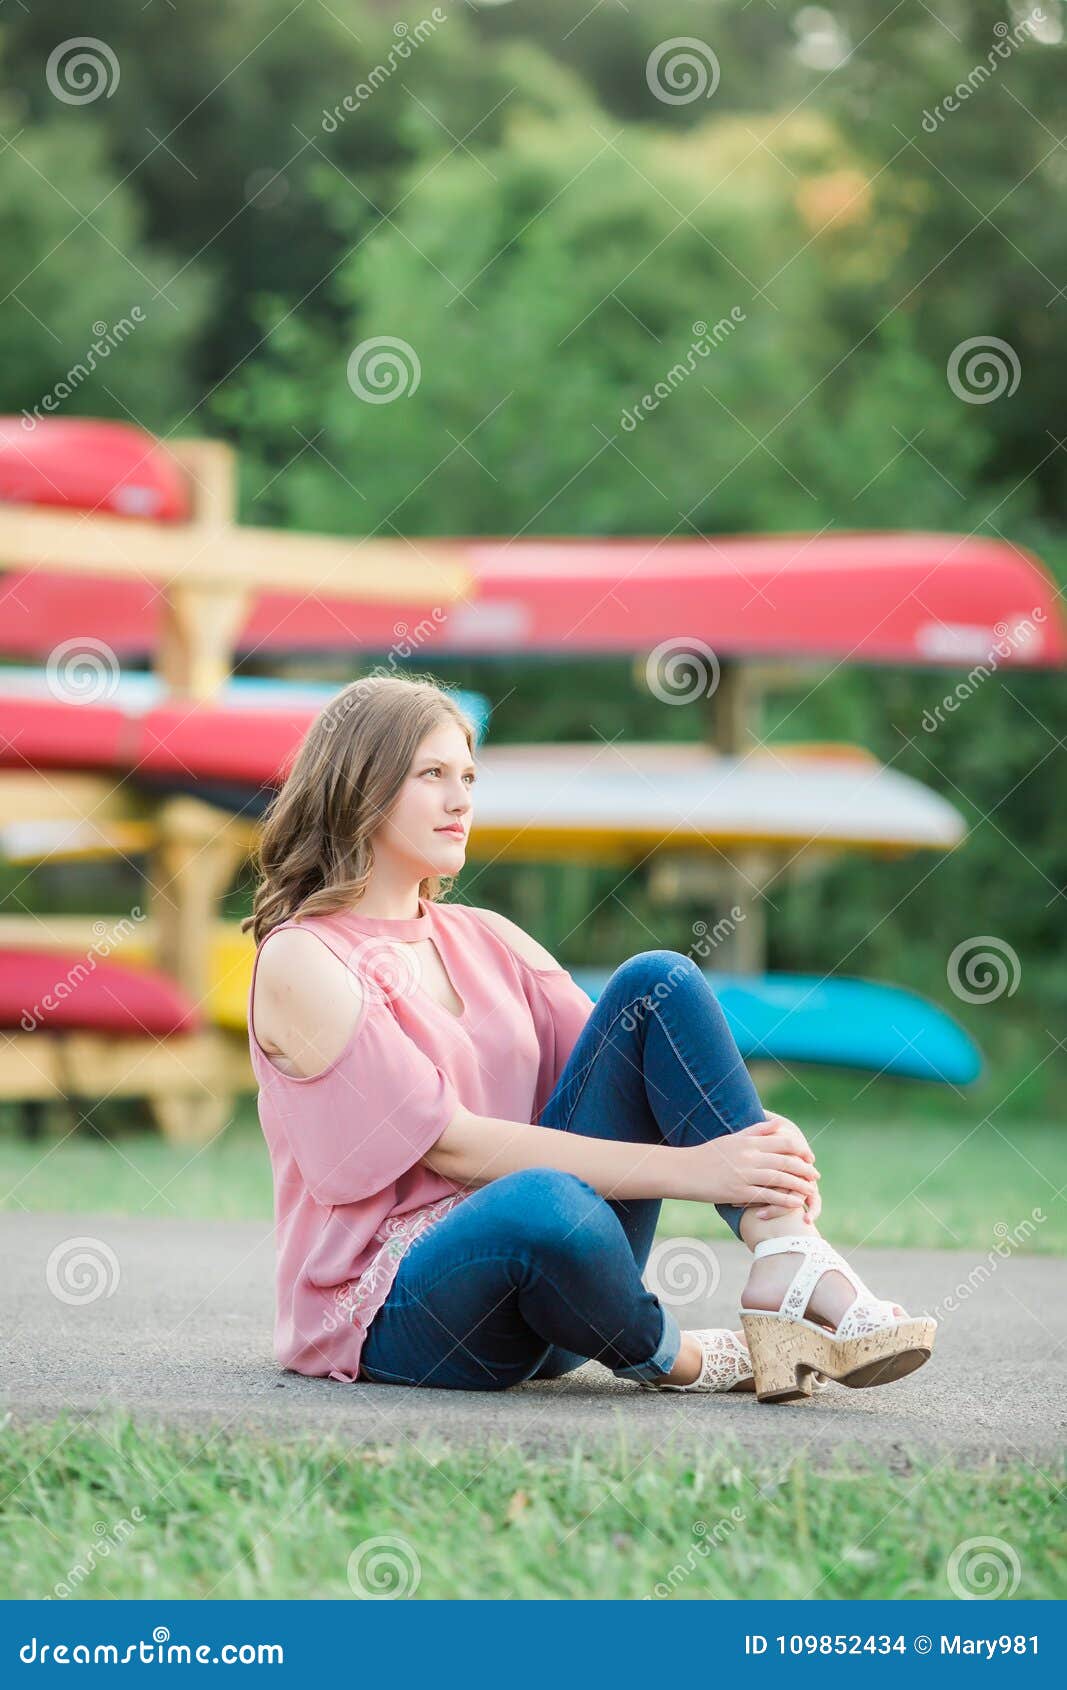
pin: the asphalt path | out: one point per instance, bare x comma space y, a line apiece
184, 1339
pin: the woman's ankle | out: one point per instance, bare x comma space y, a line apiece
793, 1225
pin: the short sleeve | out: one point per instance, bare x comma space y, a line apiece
560, 1011
377, 1111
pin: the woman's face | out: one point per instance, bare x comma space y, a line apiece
428, 825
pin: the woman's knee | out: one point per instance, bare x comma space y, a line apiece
649, 977
551, 1211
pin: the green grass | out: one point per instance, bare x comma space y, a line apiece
236, 1517
140, 1173
895, 1181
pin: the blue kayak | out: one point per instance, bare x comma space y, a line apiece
836, 1022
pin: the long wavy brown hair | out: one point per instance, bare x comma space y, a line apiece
314, 855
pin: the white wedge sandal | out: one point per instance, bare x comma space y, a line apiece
871, 1344
724, 1366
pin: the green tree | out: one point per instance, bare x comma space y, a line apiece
551, 307
75, 266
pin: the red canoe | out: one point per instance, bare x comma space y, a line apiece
37, 989
935, 599
942, 599
84, 465
183, 742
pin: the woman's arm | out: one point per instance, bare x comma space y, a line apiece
769, 1162
307, 1008
766, 1163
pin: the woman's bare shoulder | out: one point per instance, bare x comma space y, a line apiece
301, 1007
289, 949
298, 977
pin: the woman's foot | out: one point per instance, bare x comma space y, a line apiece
769, 1279
715, 1359
687, 1368
800, 1323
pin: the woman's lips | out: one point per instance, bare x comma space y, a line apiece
456, 832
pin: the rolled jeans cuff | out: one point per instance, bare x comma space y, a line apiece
731, 1214
663, 1357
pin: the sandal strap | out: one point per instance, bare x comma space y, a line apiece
866, 1313
725, 1362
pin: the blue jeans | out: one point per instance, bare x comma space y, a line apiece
536, 1272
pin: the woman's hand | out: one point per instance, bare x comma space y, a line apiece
770, 1163
813, 1208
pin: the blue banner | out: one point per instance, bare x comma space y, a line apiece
793, 1642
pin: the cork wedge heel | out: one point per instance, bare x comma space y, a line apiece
871, 1344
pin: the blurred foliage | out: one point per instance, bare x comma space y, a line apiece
77, 261
515, 203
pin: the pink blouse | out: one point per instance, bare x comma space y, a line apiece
350, 1193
